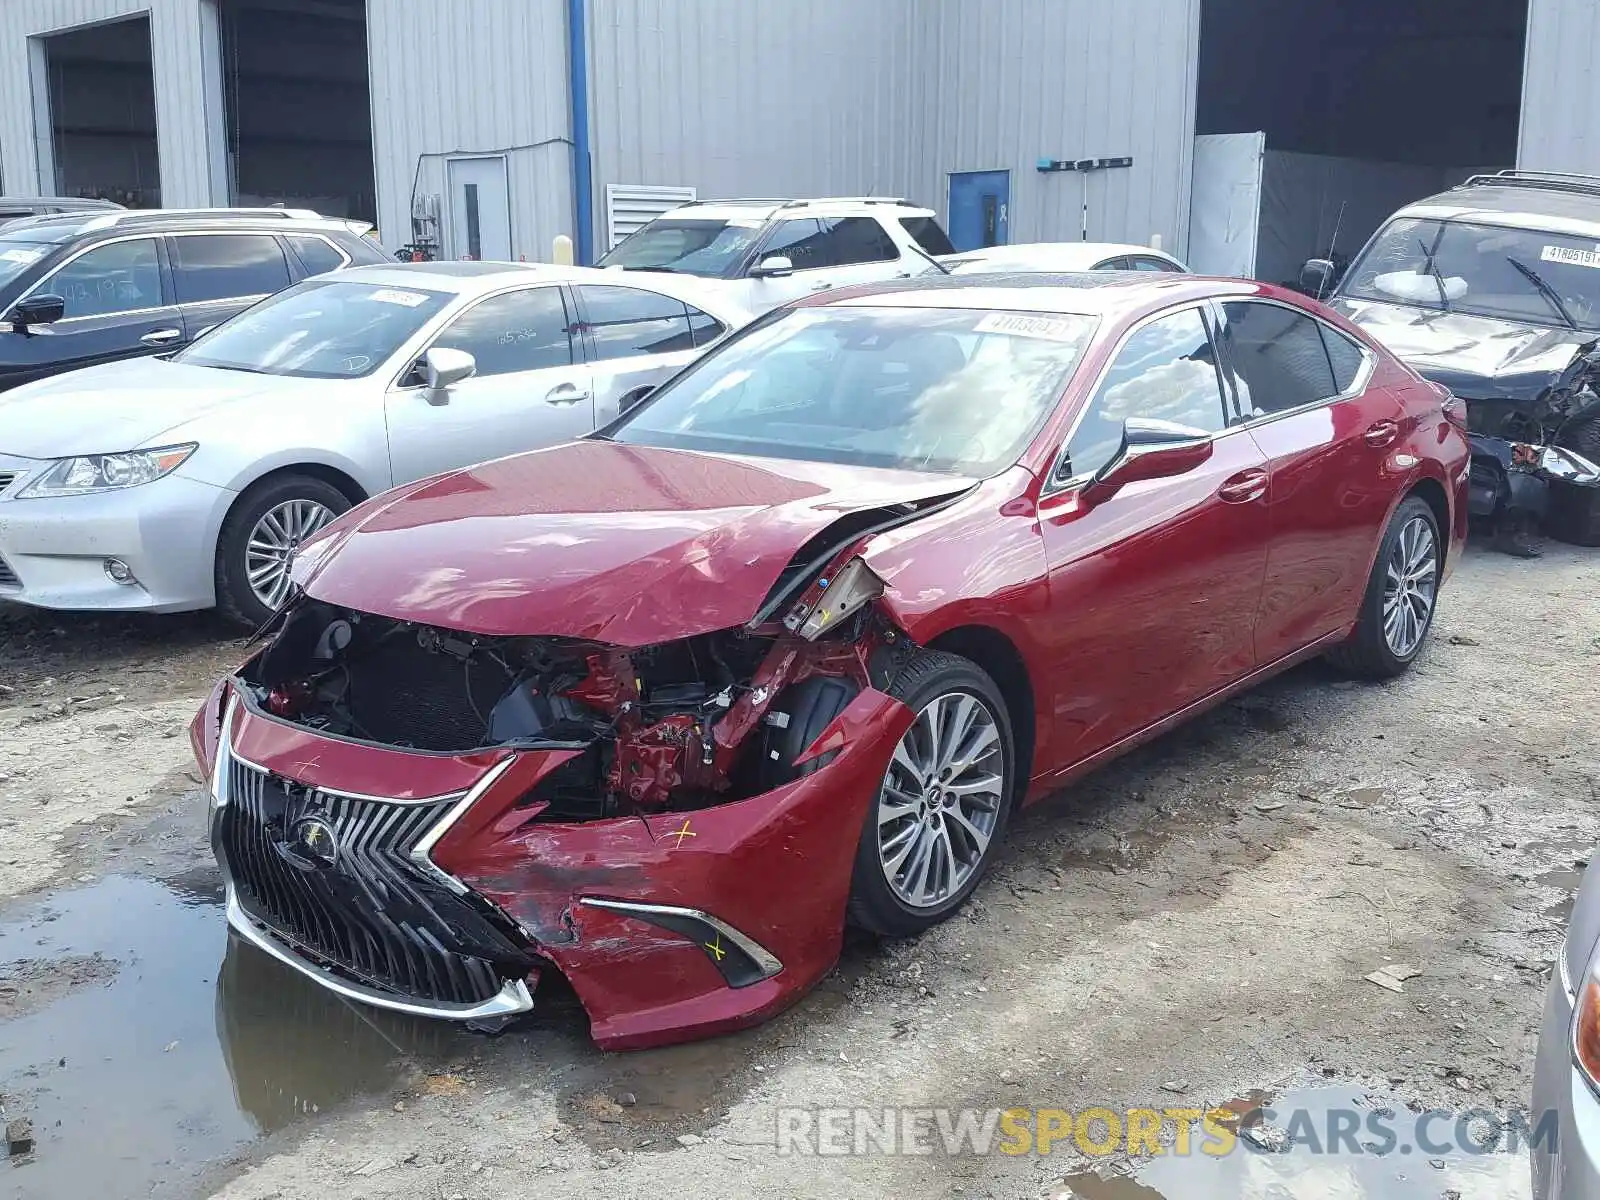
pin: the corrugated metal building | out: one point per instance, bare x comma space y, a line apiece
189, 102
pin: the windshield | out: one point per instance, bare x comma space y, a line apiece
1522, 275
16, 257
699, 247
320, 329
952, 391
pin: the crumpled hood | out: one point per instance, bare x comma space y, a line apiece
628, 545
1477, 358
120, 406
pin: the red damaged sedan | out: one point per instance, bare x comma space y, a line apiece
787, 645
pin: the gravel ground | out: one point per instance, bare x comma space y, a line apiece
1200, 915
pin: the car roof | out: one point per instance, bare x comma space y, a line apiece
480, 278
1060, 256
1525, 205
766, 209
68, 226
1089, 293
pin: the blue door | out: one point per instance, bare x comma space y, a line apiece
978, 204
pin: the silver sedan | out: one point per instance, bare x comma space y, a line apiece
187, 481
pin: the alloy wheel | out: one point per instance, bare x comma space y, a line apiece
273, 542
1410, 586
941, 798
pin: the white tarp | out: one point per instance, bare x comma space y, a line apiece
1225, 203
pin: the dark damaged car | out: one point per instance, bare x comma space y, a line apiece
1493, 290
785, 646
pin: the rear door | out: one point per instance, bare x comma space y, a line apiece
118, 305
635, 338
217, 275
529, 390
1301, 388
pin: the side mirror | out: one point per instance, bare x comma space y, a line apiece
773, 266
633, 399
1150, 450
442, 367
1316, 277
37, 310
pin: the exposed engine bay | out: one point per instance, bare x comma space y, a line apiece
1564, 412
677, 726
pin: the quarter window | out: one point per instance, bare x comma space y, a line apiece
315, 254
1278, 358
705, 328
1347, 358
926, 232
624, 322
1166, 371
227, 266
519, 331
115, 278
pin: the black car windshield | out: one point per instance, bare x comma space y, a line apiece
17, 256
689, 247
927, 389
1524, 275
318, 330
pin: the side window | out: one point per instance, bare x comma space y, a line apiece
852, 240
624, 322
801, 242
704, 327
1111, 264
315, 254
1278, 358
115, 278
1145, 263
926, 232
1166, 371
1345, 356
227, 266
519, 331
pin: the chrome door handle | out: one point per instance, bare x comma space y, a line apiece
1381, 434
161, 337
565, 394
821, 287
1244, 487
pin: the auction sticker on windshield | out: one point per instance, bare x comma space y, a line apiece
1056, 329
1571, 256
21, 256
396, 296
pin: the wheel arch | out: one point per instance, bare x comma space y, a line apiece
999, 658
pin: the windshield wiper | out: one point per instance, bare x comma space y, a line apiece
1545, 290
1433, 269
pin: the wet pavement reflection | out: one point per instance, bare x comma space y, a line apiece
159, 1044
1325, 1143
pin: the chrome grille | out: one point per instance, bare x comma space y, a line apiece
8, 577
373, 914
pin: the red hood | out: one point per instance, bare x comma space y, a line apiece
622, 544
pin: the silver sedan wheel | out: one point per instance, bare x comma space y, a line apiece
1410, 586
941, 800
273, 542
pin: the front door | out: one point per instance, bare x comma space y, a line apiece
480, 209
529, 390
1154, 591
979, 201
1302, 386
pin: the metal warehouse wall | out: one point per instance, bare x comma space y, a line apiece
818, 97
1561, 88
485, 77
188, 91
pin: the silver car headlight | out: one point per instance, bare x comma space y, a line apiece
107, 472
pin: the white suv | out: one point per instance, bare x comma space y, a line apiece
773, 251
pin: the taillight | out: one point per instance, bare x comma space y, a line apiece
1586, 1031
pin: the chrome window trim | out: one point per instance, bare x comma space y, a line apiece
1363, 377
758, 954
37, 288
1052, 487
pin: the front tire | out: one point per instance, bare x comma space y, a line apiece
1402, 594
263, 528
944, 803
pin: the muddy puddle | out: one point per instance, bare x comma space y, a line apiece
1324, 1143
142, 1043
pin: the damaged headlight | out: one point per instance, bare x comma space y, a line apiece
1567, 465
853, 587
107, 472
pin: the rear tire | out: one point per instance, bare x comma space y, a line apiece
944, 803
283, 509
1402, 595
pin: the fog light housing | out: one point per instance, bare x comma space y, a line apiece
120, 572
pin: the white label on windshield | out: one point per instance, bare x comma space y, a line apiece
396, 296
746, 222
1566, 254
21, 256
1056, 329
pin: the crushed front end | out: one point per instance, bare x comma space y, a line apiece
425, 820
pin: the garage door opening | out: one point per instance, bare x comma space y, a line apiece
299, 111
1356, 108
101, 113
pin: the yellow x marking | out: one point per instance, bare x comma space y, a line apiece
717, 952
680, 834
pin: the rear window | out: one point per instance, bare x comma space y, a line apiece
928, 234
